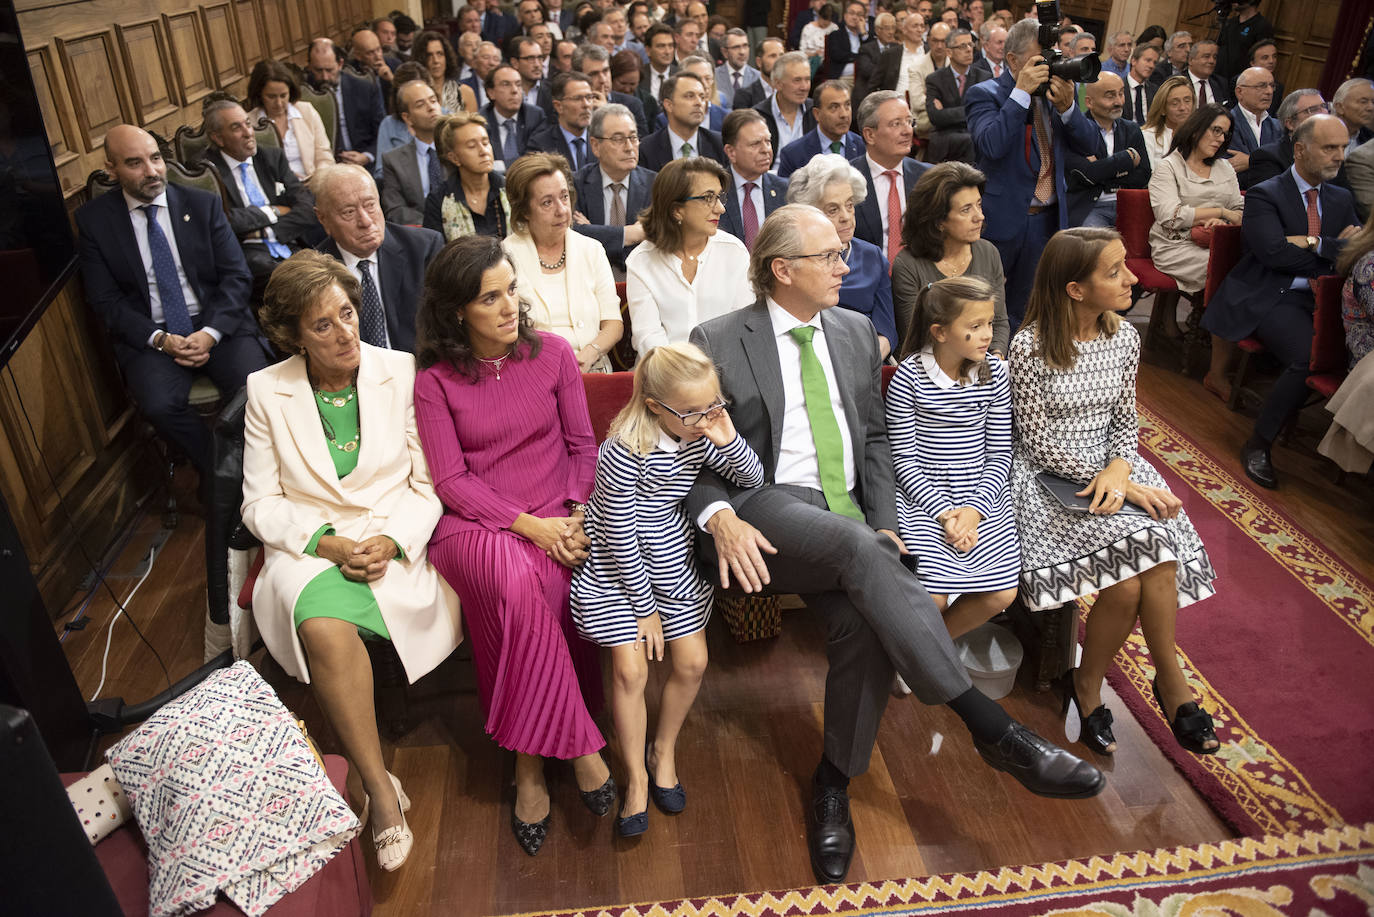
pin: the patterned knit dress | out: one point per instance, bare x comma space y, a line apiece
1072, 423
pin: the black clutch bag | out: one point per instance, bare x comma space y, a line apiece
1065, 493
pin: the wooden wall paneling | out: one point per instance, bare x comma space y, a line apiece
293, 14
311, 19
252, 44
221, 36
190, 56
90, 62
57, 120
148, 68
1304, 33
276, 28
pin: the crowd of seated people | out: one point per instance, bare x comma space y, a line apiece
922, 170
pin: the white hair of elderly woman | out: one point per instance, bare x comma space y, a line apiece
807, 185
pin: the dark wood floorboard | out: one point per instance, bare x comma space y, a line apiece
927, 805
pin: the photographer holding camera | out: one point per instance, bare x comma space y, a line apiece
1021, 123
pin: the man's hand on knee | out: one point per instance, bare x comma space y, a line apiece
738, 547
896, 539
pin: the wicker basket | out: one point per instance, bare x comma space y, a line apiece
750, 617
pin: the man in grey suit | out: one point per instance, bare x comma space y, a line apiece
1359, 173
613, 190
735, 73
803, 381
412, 169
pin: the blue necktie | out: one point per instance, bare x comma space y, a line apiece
255, 198
175, 315
436, 173
508, 151
578, 146
372, 322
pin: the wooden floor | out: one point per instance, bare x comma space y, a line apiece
928, 804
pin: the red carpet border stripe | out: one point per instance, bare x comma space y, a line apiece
1325, 576
1046, 884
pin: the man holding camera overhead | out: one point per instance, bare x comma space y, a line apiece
1021, 123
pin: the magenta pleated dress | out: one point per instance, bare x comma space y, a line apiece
520, 443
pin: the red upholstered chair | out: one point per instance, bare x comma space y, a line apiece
623, 353
1329, 357
1225, 251
607, 393
1134, 217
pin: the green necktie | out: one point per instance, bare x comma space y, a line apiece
836, 146
686, 150
825, 429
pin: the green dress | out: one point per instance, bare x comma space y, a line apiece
331, 594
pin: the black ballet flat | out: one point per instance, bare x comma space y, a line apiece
599, 800
1191, 724
632, 825
1095, 729
530, 835
670, 801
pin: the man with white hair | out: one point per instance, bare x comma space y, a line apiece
1353, 103
388, 261
1118, 59
993, 39
1175, 60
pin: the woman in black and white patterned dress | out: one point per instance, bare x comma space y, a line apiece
1073, 370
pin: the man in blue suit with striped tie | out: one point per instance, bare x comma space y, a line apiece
1251, 124
1019, 140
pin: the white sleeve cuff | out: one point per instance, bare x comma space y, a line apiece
1021, 97
270, 211
214, 333
710, 511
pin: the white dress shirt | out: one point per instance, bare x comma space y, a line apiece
664, 307
909, 60
351, 261
656, 81
1196, 82
787, 132
881, 186
289, 145
675, 143
139, 221
1109, 137
234, 170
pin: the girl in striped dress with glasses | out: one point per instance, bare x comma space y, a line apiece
640, 588
949, 421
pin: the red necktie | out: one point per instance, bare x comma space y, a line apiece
1314, 219
959, 78
750, 215
1201, 93
894, 215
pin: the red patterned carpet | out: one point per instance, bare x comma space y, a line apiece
1282, 655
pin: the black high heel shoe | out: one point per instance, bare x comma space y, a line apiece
530, 835
1095, 729
1191, 724
600, 800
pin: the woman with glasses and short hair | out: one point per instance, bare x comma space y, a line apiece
1192, 190
684, 271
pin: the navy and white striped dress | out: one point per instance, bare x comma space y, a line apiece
951, 447
641, 539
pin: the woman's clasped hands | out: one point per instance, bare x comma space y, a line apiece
961, 527
361, 561
559, 537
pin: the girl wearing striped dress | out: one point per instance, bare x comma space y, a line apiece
640, 587
949, 421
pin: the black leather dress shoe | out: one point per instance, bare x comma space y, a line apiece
1258, 467
831, 835
1042, 768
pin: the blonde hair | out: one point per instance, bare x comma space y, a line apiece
659, 375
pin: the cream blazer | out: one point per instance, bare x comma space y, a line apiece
590, 286
315, 144
290, 489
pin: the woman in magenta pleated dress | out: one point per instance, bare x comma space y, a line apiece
503, 420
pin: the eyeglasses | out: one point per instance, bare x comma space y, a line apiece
829, 259
1218, 131
621, 139
538, 57
1312, 110
696, 417
709, 198
961, 46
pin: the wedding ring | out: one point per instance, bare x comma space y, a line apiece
1117, 493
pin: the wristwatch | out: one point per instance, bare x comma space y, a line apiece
1312, 243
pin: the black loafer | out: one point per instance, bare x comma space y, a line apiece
1258, 466
632, 825
1042, 768
831, 834
530, 835
599, 800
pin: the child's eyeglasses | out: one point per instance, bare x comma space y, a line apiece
696, 417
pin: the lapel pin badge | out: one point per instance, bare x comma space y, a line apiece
185, 218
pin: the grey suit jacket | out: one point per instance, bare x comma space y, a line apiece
403, 195
745, 352
1359, 173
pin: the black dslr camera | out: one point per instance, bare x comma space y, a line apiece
1081, 69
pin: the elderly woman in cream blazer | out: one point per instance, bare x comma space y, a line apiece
563, 275
336, 486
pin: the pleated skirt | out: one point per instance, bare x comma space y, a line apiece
539, 684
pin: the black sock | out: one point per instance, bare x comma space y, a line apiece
1256, 442
827, 774
983, 716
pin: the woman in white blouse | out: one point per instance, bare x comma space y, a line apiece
273, 90
812, 40
1172, 105
563, 275
684, 271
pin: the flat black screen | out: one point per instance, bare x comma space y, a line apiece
37, 254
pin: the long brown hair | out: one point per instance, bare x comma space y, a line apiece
1356, 247
1070, 256
941, 303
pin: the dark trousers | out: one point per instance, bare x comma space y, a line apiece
1020, 256
162, 389
1286, 332
261, 264
878, 617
